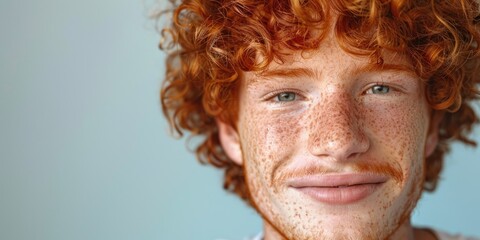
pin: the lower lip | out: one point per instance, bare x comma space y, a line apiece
340, 195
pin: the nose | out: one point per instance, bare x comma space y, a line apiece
336, 128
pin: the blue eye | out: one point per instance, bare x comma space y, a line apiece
379, 89
286, 97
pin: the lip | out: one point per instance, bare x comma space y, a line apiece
336, 189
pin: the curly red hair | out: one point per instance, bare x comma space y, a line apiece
210, 43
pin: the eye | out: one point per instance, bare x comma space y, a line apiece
286, 97
379, 89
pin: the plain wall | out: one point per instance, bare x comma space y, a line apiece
85, 152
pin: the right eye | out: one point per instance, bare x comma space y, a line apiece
286, 97
379, 89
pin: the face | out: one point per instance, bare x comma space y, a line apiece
331, 147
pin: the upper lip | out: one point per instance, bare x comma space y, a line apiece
336, 180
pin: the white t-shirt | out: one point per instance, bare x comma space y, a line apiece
445, 236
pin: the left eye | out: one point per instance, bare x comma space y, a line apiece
379, 89
286, 97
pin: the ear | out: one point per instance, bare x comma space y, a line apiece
230, 141
432, 137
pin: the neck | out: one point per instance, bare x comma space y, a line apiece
407, 231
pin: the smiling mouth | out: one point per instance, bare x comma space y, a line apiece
343, 186
338, 189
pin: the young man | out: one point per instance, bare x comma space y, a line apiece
329, 117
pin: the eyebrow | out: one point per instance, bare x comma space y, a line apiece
400, 68
312, 73
288, 72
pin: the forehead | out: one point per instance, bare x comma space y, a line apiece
314, 64
330, 55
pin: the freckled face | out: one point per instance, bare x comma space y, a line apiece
333, 119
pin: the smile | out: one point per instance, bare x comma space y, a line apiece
338, 189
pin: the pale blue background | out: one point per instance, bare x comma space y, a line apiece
85, 152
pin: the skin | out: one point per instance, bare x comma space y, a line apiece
335, 116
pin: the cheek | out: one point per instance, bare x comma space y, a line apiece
268, 140
399, 130
270, 131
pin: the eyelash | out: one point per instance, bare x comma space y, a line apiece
381, 84
275, 94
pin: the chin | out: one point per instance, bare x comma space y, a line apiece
349, 230
305, 220
338, 232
